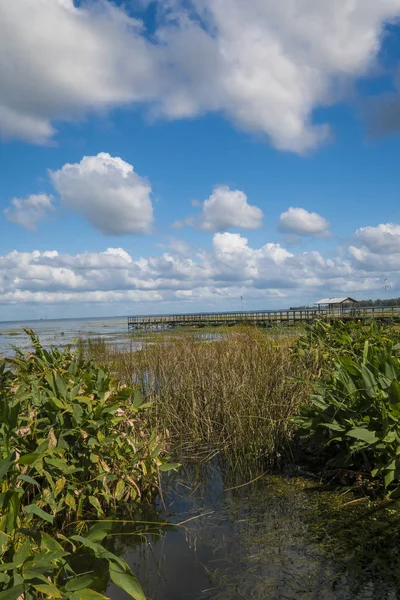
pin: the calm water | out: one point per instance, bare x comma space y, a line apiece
275, 539
62, 332
65, 332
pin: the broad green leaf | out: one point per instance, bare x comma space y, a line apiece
389, 477
137, 400
59, 463
365, 352
391, 371
29, 479
86, 594
6, 567
3, 538
125, 579
13, 593
78, 412
78, 583
390, 437
119, 490
169, 467
22, 554
369, 382
59, 486
363, 434
393, 465
37, 572
394, 392
333, 426
99, 531
62, 388
94, 502
146, 406
33, 509
6, 464
49, 589
47, 542
98, 550
70, 501
29, 459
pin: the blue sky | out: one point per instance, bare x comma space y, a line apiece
179, 160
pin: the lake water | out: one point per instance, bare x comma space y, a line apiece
66, 332
276, 539
62, 332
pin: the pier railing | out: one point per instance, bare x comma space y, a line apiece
263, 318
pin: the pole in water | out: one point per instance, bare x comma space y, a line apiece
241, 301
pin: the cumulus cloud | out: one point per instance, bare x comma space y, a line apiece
383, 239
225, 208
107, 192
377, 248
266, 65
59, 61
301, 222
28, 211
230, 268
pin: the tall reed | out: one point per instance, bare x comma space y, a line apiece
234, 396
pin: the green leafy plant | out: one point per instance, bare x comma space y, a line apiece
323, 341
72, 450
356, 413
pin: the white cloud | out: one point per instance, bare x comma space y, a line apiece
301, 222
383, 239
266, 65
107, 192
267, 276
28, 211
377, 249
59, 61
179, 246
224, 209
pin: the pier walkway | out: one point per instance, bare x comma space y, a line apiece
265, 318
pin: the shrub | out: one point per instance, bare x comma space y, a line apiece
323, 341
72, 449
356, 413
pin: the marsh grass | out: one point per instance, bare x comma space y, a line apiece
235, 396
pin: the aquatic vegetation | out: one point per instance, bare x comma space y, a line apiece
72, 452
235, 395
355, 413
322, 341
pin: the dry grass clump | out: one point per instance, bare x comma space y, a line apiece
236, 395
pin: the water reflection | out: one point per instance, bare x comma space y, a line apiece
275, 539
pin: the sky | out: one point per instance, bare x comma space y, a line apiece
174, 156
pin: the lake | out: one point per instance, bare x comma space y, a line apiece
280, 538
62, 332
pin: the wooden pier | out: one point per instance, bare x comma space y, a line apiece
265, 318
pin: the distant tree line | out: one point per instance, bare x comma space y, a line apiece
379, 302
362, 303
